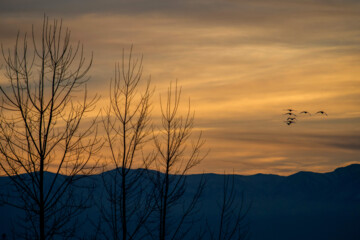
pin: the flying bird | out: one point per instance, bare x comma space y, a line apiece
290, 114
305, 112
289, 122
290, 119
290, 110
321, 112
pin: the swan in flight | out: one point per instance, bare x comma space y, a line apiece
305, 112
321, 112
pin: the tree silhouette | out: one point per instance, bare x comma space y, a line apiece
173, 160
126, 130
41, 129
231, 222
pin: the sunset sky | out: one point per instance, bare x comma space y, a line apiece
242, 63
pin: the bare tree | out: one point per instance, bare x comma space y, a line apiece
174, 159
231, 222
41, 129
126, 127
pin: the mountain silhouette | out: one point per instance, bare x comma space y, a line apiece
304, 205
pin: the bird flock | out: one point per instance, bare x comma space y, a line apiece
292, 117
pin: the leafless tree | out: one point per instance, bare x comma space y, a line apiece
127, 127
173, 161
42, 129
233, 210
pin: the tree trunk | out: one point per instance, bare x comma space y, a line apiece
42, 207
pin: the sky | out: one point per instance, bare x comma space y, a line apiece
242, 63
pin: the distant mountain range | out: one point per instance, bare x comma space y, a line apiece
305, 205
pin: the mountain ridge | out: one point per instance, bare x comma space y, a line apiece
304, 205
350, 167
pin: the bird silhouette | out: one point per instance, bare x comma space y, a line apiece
305, 112
291, 119
290, 110
289, 122
321, 112
290, 114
